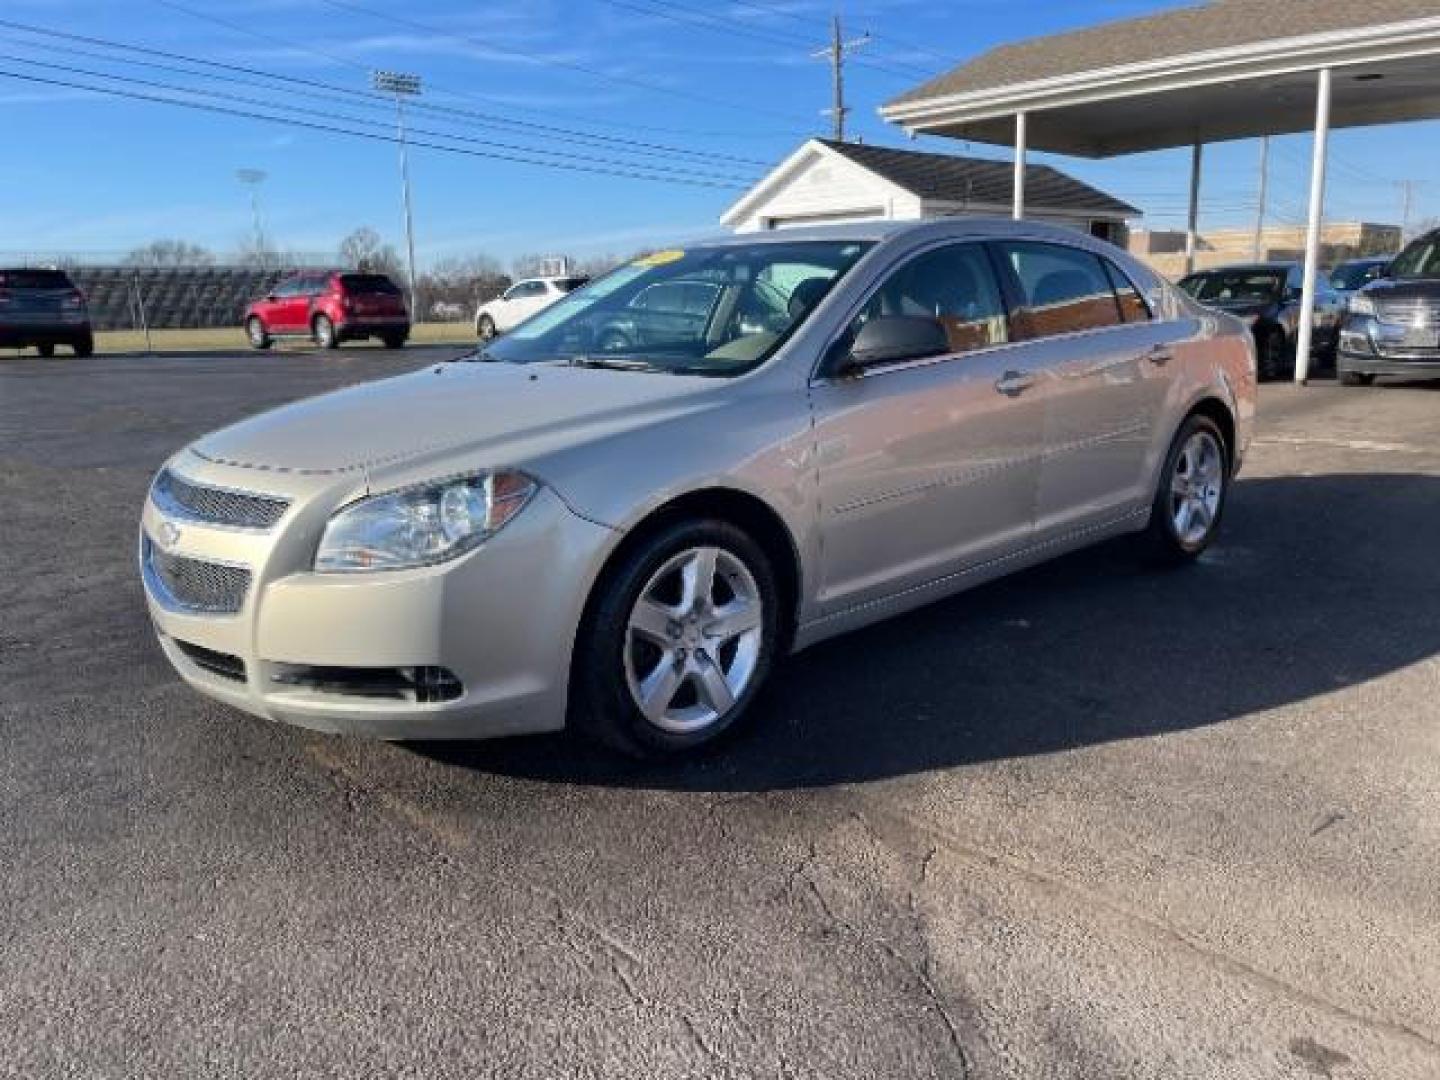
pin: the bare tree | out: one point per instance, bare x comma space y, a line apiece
454, 287
169, 253
365, 251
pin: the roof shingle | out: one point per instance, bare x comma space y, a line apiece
1218, 24
948, 178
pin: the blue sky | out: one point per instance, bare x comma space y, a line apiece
100, 174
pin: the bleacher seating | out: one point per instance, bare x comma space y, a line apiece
191, 297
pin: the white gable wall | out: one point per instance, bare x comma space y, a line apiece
821, 188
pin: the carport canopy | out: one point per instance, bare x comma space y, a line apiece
1227, 69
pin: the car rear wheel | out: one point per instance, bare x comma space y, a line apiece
256, 333
393, 341
83, 346
1190, 498
1356, 378
323, 330
46, 348
679, 641
485, 328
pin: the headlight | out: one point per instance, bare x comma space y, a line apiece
1362, 305
1355, 335
422, 525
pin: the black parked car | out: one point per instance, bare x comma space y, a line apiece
43, 308
1393, 327
1267, 295
1350, 277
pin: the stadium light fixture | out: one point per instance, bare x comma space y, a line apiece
401, 86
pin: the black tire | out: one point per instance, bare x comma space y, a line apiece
393, 341
485, 328
1356, 378
601, 703
46, 349
1161, 541
323, 331
83, 346
1271, 352
256, 333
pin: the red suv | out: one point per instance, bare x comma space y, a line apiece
330, 306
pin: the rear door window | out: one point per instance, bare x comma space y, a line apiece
1063, 290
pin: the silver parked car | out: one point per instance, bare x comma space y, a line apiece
567, 527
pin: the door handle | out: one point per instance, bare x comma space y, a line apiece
1159, 355
1014, 383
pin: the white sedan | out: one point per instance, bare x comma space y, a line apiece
519, 302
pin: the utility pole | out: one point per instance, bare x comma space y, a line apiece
836, 52
1256, 252
403, 86
1407, 201
253, 178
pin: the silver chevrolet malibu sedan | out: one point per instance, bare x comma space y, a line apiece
623, 513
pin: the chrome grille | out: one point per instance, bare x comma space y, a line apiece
192, 584
216, 506
1416, 311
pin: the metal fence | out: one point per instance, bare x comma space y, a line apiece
157, 298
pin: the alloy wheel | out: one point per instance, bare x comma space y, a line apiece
1196, 486
693, 639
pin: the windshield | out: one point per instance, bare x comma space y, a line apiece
716, 310
1420, 259
1230, 285
1350, 276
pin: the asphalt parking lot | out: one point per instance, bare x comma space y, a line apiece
1090, 822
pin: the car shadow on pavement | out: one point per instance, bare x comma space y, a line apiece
1318, 583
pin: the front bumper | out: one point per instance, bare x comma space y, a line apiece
1417, 365
501, 618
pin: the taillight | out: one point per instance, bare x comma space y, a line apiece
74, 299
4, 297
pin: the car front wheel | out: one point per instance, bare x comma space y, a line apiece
255, 332
485, 328
679, 641
1190, 498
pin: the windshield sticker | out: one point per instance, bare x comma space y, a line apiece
660, 258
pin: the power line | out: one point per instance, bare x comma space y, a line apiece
551, 61
944, 58
711, 22
634, 174
242, 99
464, 95
234, 71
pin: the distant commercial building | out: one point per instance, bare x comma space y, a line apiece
825, 182
1339, 240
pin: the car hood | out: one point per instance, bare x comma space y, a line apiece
1242, 309
1402, 289
514, 410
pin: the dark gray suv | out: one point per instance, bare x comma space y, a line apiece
1393, 326
42, 307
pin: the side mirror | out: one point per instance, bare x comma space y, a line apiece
889, 339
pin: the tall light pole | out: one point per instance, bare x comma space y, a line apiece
403, 86
253, 178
